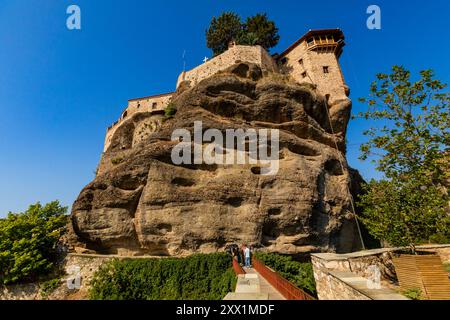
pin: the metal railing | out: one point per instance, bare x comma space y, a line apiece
283, 286
237, 267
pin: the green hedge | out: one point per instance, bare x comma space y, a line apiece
300, 274
198, 277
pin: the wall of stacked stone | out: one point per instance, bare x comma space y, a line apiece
358, 263
238, 53
146, 104
301, 61
443, 251
330, 287
88, 264
20, 292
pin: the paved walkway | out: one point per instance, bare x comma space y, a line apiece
266, 287
252, 286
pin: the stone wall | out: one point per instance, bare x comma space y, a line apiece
87, 264
443, 251
238, 53
301, 61
140, 105
20, 292
331, 271
331, 287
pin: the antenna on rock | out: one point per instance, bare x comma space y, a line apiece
184, 60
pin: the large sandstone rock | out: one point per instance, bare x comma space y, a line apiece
141, 203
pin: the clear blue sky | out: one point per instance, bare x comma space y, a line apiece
60, 89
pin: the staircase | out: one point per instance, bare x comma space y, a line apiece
252, 286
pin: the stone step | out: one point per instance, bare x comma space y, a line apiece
248, 283
246, 296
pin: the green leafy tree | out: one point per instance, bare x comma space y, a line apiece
222, 30
28, 240
257, 30
260, 31
410, 205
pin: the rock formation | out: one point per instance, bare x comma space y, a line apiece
141, 203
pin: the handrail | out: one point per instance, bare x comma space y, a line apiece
283, 286
237, 267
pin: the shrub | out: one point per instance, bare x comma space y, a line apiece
300, 274
199, 277
170, 111
28, 241
117, 161
49, 286
413, 294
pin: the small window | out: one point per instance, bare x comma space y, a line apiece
300, 62
304, 74
124, 114
283, 60
138, 105
326, 69
154, 105
310, 41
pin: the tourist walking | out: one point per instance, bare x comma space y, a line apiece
242, 254
247, 254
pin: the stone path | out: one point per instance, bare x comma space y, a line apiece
252, 286
266, 287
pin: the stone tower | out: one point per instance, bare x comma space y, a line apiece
314, 58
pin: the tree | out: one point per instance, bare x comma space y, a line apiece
262, 31
258, 30
28, 240
222, 30
411, 148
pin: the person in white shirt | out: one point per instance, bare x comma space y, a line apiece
247, 256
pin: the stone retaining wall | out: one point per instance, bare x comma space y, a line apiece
238, 53
327, 267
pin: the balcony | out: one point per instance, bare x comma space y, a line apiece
325, 44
